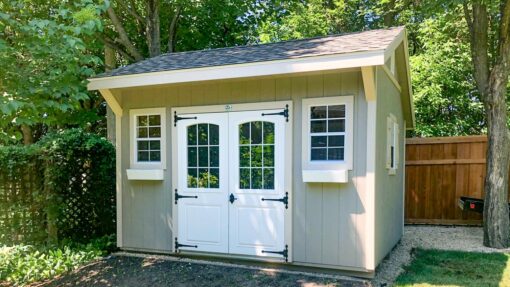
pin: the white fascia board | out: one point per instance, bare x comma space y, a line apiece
290, 66
390, 50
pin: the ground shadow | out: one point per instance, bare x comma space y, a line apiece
135, 271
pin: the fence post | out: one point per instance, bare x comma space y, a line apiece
51, 203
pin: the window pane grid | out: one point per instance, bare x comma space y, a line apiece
148, 138
203, 156
327, 132
256, 155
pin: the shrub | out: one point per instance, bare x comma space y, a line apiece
61, 188
23, 264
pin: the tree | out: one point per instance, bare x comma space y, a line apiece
446, 100
46, 54
141, 29
489, 28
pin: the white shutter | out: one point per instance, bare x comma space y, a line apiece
389, 139
397, 145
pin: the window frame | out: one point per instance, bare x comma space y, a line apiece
347, 162
392, 140
133, 114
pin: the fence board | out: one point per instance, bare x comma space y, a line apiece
438, 172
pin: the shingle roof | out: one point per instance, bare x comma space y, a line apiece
372, 40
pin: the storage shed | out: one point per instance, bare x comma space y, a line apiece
284, 152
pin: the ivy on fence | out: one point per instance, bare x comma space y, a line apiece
61, 188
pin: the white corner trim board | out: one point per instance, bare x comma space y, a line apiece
267, 68
144, 174
340, 176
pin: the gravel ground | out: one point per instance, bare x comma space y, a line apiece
430, 237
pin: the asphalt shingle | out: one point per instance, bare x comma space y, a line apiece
372, 40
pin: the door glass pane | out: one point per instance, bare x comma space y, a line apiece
244, 133
256, 132
244, 178
256, 152
204, 154
256, 156
192, 177
256, 178
202, 134
268, 133
244, 156
268, 178
192, 135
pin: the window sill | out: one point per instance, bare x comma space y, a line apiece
144, 174
338, 176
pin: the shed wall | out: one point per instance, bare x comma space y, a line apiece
389, 189
328, 219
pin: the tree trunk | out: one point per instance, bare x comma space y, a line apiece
495, 213
153, 26
110, 63
491, 84
28, 136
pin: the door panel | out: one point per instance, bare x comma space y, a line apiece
231, 162
203, 172
256, 172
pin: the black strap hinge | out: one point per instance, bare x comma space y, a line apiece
177, 118
284, 252
284, 113
284, 200
178, 245
177, 196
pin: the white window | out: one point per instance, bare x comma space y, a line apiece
327, 133
392, 149
148, 138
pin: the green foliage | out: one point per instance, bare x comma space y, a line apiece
455, 268
61, 188
46, 54
22, 264
445, 96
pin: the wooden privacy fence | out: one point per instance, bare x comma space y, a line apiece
438, 172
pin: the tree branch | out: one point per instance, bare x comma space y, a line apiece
172, 29
132, 11
110, 43
123, 37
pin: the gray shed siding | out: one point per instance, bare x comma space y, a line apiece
389, 189
328, 219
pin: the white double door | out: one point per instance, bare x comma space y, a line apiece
231, 183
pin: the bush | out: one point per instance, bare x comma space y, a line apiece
61, 188
23, 264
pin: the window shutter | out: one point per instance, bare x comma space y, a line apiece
389, 139
397, 145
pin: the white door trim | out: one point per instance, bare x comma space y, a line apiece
288, 185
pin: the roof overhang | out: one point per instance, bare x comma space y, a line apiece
397, 47
280, 67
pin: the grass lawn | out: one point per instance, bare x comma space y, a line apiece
456, 268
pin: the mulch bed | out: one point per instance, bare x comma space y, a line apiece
137, 271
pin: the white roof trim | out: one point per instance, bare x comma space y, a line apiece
288, 66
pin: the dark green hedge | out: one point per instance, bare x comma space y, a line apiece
62, 188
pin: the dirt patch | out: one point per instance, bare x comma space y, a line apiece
154, 272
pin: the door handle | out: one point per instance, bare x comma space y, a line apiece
232, 198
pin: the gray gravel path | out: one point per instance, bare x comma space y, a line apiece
429, 237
